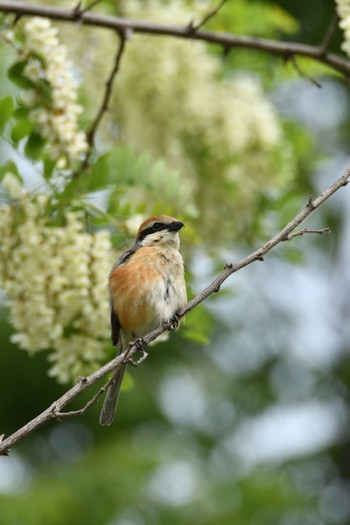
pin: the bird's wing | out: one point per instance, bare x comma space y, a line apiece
115, 323
126, 255
115, 327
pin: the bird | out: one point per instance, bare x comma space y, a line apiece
147, 288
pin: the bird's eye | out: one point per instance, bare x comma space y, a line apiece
157, 226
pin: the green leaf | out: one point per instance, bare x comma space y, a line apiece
6, 111
120, 165
16, 75
195, 336
101, 173
11, 167
34, 146
49, 165
71, 190
21, 113
45, 91
21, 129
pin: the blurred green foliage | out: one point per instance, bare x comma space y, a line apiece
175, 454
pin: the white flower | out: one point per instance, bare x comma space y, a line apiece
58, 120
61, 301
12, 186
343, 9
193, 113
133, 223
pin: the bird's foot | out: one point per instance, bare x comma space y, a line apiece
174, 321
140, 344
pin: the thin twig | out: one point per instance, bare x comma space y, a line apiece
207, 17
257, 255
89, 7
306, 231
108, 91
329, 32
106, 98
127, 360
227, 40
76, 9
60, 415
302, 73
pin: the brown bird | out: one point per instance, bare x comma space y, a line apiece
147, 288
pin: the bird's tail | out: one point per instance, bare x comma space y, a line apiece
111, 399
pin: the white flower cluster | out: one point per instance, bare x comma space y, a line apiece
343, 9
187, 105
55, 278
57, 118
132, 224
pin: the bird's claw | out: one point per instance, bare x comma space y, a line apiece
174, 322
139, 343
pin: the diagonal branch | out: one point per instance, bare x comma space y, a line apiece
60, 415
227, 40
259, 254
106, 98
329, 32
80, 11
207, 17
54, 410
307, 231
302, 73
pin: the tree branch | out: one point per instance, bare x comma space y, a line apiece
106, 98
54, 410
227, 40
306, 231
329, 32
207, 17
302, 73
87, 8
60, 415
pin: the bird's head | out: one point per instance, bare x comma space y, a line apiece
160, 230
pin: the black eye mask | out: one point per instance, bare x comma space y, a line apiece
159, 226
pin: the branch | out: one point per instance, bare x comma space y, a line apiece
259, 254
106, 98
54, 410
306, 231
60, 415
227, 40
207, 17
80, 11
302, 74
329, 32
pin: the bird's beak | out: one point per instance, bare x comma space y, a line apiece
176, 226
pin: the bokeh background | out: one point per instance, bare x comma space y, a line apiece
242, 416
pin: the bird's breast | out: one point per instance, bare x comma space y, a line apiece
148, 289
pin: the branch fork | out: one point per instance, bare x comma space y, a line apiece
124, 28
287, 233
195, 32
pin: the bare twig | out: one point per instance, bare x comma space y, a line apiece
227, 40
302, 73
60, 415
88, 7
329, 32
207, 17
78, 6
106, 98
258, 255
306, 231
127, 360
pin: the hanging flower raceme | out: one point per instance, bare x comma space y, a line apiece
55, 281
343, 9
52, 95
